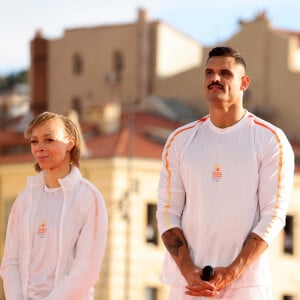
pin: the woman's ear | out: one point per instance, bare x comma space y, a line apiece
71, 143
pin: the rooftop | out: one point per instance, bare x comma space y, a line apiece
140, 135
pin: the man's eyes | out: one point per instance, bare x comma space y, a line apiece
226, 73
208, 72
221, 73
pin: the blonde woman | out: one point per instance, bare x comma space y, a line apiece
56, 233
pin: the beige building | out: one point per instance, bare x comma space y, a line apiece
273, 62
91, 66
285, 252
87, 67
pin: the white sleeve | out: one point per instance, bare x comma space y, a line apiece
275, 186
10, 269
171, 192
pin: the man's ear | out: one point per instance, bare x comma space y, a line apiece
245, 82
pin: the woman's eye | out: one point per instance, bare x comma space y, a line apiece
49, 140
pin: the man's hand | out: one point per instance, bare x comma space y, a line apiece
223, 277
253, 247
176, 244
198, 287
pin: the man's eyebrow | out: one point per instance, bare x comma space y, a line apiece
220, 70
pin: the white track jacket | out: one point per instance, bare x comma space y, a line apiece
218, 185
81, 246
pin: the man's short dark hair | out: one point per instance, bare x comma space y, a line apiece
228, 52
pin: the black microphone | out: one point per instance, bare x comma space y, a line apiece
207, 273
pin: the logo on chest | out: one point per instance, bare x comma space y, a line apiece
42, 229
217, 173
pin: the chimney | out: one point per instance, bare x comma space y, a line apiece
39, 73
143, 55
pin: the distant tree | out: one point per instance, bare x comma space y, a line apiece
7, 82
23, 76
2, 83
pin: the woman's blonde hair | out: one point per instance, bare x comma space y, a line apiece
70, 129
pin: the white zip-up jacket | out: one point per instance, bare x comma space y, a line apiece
81, 240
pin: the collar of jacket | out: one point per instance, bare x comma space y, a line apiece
67, 182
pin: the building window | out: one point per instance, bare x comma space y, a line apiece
288, 297
297, 59
115, 74
289, 235
77, 64
76, 104
151, 228
118, 61
151, 293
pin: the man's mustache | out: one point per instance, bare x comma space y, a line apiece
215, 84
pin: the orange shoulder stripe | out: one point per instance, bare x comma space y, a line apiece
167, 166
276, 208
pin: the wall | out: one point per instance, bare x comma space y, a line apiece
96, 47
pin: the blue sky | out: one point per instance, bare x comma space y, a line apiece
206, 21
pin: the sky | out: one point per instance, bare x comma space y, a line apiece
208, 22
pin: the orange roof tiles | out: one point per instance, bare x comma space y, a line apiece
131, 140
